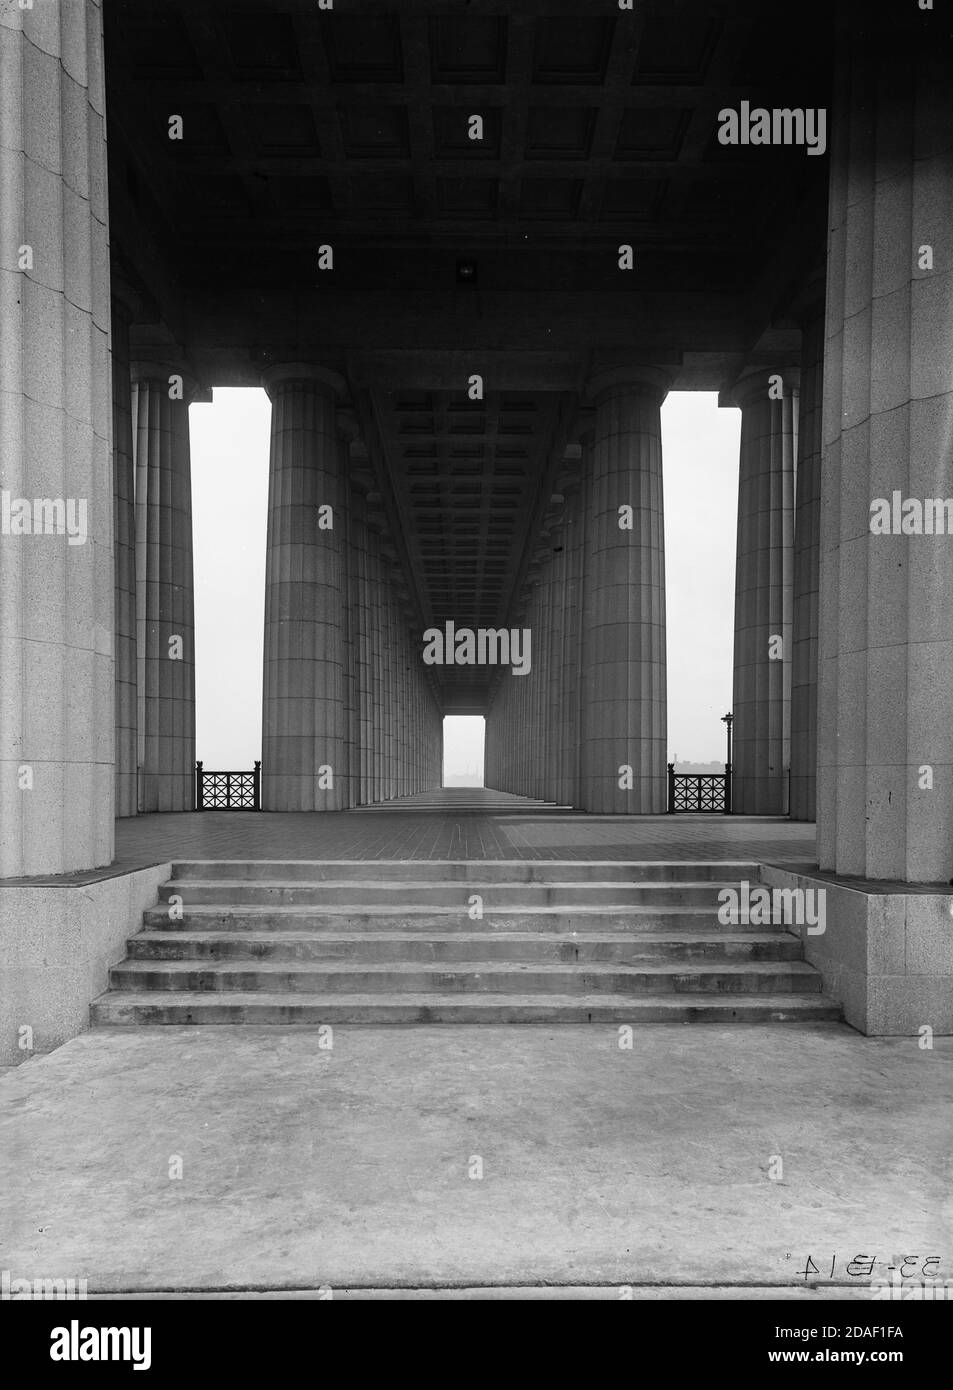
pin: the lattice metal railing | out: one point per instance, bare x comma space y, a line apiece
227, 791
700, 792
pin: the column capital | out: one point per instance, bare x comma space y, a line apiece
756, 382
630, 379
322, 378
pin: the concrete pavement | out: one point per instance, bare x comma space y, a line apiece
503, 1156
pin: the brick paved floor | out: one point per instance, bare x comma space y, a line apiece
401, 831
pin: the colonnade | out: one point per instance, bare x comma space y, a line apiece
75, 703
764, 590
349, 715
587, 725
532, 725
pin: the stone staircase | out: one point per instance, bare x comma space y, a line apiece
402, 942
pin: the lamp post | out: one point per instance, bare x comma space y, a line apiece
728, 720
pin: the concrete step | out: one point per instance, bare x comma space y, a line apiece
565, 894
485, 945
463, 870
378, 942
419, 977
138, 1009
240, 917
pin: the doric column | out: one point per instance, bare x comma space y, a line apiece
376, 670
366, 666
764, 591
547, 747
885, 697
165, 618
348, 431
387, 678
124, 555
582, 556
623, 668
807, 520
304, 722
574, 533
57, 701
554, 671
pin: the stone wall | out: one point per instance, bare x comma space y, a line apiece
886, 956
59, 941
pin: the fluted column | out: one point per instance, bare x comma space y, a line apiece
573, 646
387, 681
377, 703
623, 685
582, 557
304, 721
885, 697
57, 700
361, 646
807, 520
764, 592
553, 672
347, 427
165, 618
124, 554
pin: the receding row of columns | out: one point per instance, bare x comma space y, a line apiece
587, 725
347, 716
764, 591
348, 713
154, 621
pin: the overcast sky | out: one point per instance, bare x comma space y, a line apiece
230, 498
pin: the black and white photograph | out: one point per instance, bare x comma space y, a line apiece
476, 671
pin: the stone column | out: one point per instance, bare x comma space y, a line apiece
623, 675
57, 700
377, 704
764, 592
552, 673
582, 557
304, 722
885, 697
347, 427
387, 679
573, 642
807, 520
124, 552
563, 657
359, 532
165, 608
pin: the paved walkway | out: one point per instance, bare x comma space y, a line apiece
477, 1156
455, 834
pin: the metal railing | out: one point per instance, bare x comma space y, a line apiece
227, 791
704, 792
